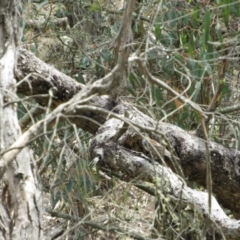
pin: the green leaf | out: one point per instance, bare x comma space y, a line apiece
80, 78
173, 18
226, 89
226, 12
183, 38
116, 26
100, 71
218, 31
195, 17
40, 5
70, 184
157, 94
191, 45
106, 55
206, 26
168, 66
85, 62
133, 80
196, 91
94, 7
157, 32
130, 90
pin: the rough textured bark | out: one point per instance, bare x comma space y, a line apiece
43, 79
189, 149
20, 207
119, 155
129, 165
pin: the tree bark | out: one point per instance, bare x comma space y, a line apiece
124, 156
21, 201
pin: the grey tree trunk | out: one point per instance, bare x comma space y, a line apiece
123, 153
21, 200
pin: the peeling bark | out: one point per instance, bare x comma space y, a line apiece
20, 206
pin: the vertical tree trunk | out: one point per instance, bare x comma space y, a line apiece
20, 205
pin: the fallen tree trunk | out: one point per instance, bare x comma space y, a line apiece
118, 147
129, 165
